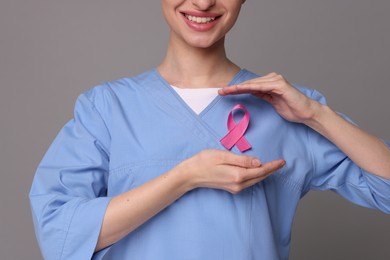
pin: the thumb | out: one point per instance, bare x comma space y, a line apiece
230, 158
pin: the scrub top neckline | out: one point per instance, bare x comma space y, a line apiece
197, 98
169, 100
199, 116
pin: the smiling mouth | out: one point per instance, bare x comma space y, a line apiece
200, 20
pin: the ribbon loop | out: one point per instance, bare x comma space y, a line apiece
235, 136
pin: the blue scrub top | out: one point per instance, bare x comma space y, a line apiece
127, 132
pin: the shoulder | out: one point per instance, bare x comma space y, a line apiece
112, 91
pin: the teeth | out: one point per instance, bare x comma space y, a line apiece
200, 19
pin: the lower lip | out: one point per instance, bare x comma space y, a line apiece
200, 27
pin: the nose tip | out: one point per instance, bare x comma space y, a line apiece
203, 4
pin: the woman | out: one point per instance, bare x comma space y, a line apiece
141, 172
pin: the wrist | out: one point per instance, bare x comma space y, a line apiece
185, 177
320, 115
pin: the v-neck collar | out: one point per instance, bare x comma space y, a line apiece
184, 105
167, 98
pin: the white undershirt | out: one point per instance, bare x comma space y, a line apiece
197, 98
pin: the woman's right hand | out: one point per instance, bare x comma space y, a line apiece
220, 169
216, 169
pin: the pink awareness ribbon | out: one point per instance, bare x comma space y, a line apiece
235, 136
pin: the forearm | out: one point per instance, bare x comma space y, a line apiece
364, 149
215, 169
129, 210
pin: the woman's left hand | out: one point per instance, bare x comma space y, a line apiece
289, 102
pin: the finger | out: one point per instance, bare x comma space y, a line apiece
273, 165
263, 171
259, 176
254, 81
268, 78
265, 87
253, 181
229, 158
269, 75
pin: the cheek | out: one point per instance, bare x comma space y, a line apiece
168, 16
234, 14
167, 8
231, 21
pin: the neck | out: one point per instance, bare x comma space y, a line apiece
191, 67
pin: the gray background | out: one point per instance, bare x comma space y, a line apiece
51, 51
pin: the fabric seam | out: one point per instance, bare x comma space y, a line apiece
101, 117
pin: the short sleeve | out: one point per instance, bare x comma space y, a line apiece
333, 170
68, 193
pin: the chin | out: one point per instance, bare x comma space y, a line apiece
204, 43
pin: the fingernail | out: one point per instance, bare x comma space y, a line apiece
256, 162
283, 163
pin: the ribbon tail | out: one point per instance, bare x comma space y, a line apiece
243, 145
228, 141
